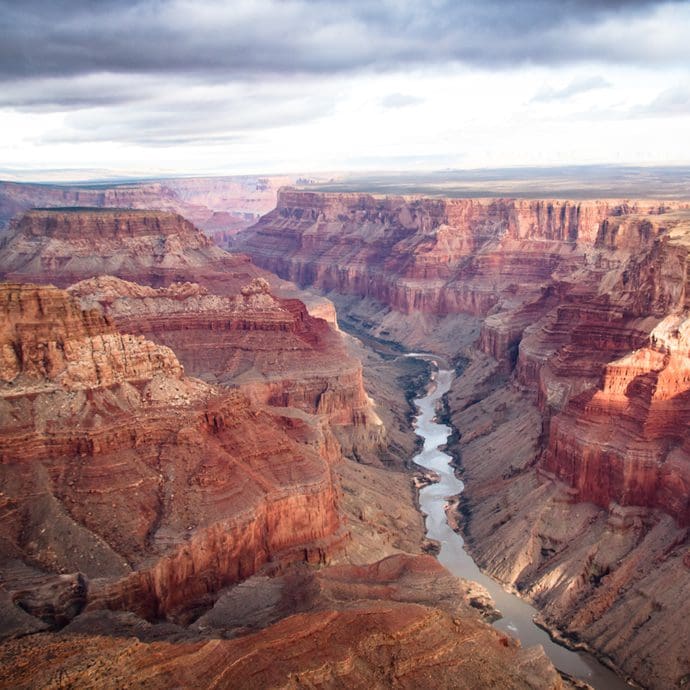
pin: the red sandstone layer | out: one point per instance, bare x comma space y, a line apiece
272, 347
563, 288
573, 409
155, 248
157, 488
403, 623
220, 206
439, 256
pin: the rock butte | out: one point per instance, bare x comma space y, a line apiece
156, 248
133, 494
270, 347
572, 409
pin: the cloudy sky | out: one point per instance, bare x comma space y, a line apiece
202, 86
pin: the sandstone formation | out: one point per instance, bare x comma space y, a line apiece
226, 327
400, 623
155, 248
270, 347
127, 485
131, 495
437, 256
573, 405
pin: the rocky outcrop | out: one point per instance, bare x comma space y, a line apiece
151, 247
436, 256
222, 326
132, 495
577, 467
155, 248
155, 488
400, 623
270, 347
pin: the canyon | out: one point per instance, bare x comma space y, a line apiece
567, 321
193, 471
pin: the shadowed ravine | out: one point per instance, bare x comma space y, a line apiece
517, 614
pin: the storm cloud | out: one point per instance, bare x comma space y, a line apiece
246, 38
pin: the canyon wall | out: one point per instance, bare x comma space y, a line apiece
572, 409
271, 348
152, 247
154, 489
133, 497
439, 256
225, 327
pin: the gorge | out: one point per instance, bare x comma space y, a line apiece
572, 439
565, 322
151, 518
435, 500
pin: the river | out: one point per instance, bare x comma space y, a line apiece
517, 613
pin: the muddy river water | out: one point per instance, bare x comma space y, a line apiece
517, 613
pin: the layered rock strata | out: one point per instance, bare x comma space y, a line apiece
400, 623
132, 494
155, 490
272, 348
219, 206
438, 256
156, 248
572, 409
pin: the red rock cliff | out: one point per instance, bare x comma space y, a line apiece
439, 256
273, 348
217, 204
158, 488
584, 282
151, 247
270, 347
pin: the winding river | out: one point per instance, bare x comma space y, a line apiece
517, 614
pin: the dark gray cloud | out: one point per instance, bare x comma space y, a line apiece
180, 117
218, 40
573, 88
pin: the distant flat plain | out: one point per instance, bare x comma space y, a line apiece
576, 182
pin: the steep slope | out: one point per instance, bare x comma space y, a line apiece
572, 409
154, 490
435, 256
270, 347
132, 494
273, 348
156, 248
